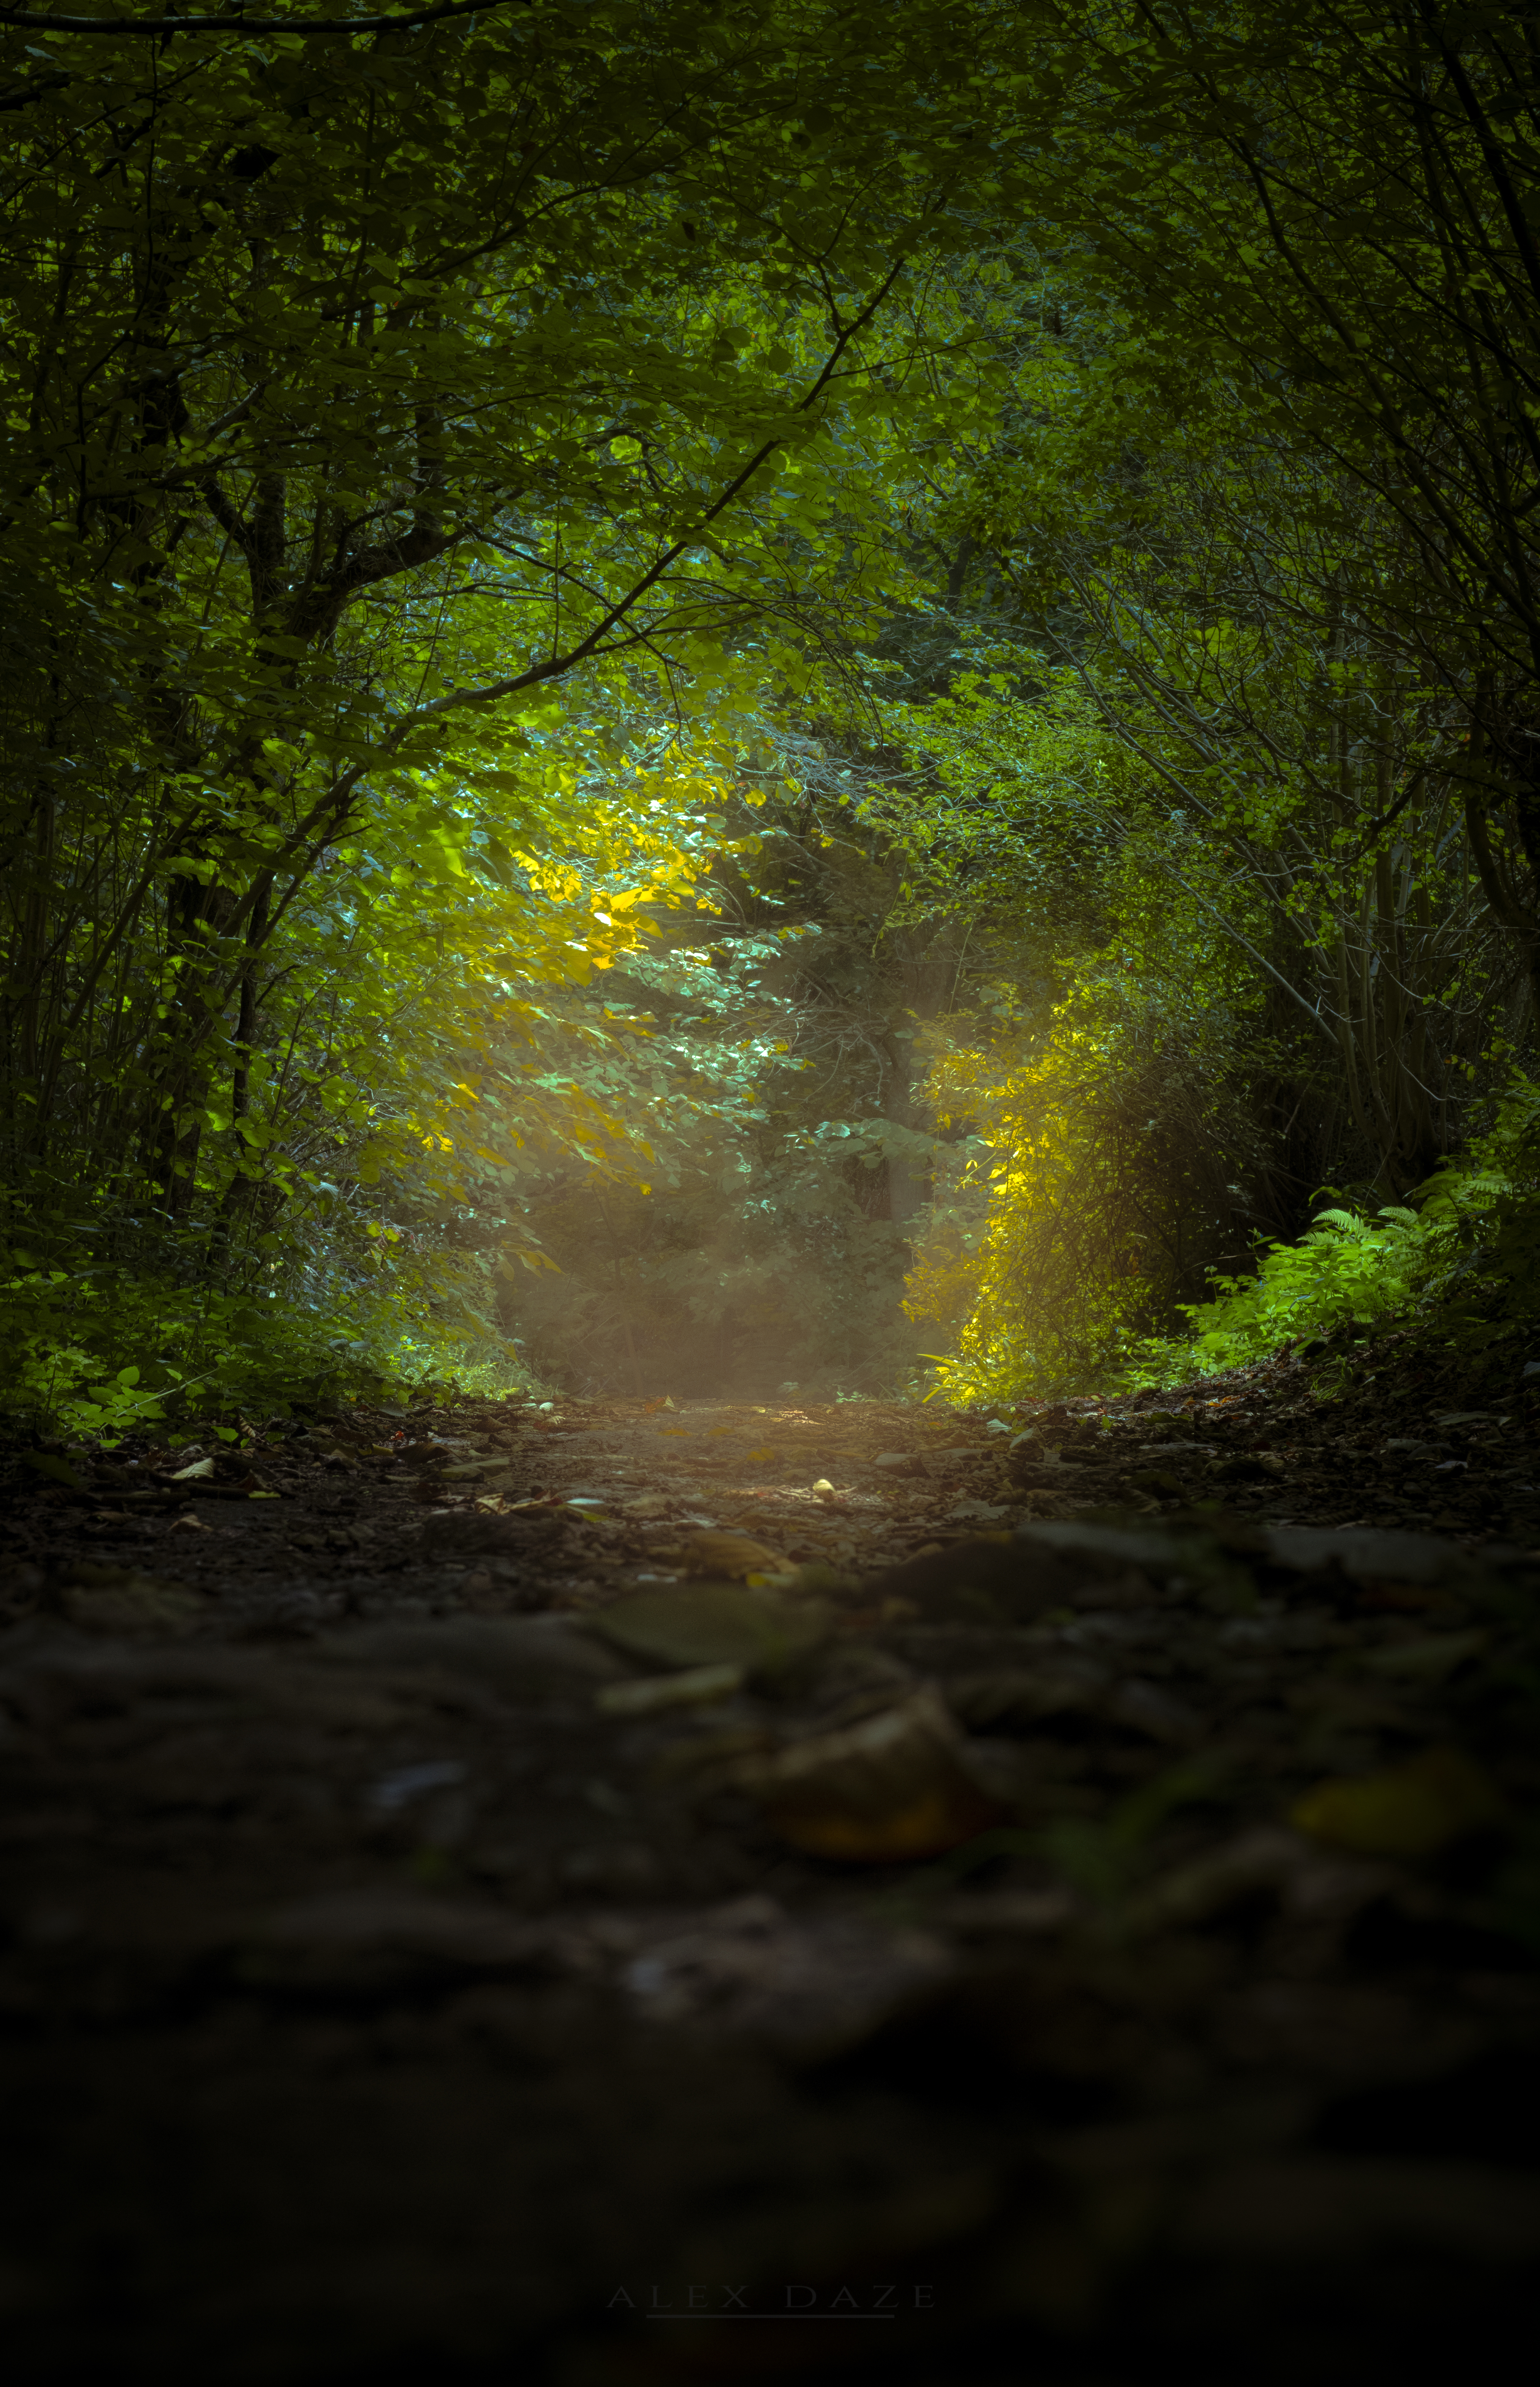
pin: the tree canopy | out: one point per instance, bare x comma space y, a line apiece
679, 660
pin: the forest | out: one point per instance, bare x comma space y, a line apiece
769, 1193
710, 700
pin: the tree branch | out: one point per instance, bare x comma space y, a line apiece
161, 29
558, 666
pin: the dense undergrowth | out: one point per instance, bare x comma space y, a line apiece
1458, 1262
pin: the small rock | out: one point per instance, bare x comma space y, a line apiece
1145, 1708
809, 1988
1157, 1483
980, 1582
525, 1659
103, 1599
377, 1940
480, 1533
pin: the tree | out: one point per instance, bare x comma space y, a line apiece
1331, 208
365, 386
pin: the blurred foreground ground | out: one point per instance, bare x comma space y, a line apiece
626, 1897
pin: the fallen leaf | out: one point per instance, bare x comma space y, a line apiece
697, 1687
760, 1458
1408, 1810
730, 1556
881, 1792
707, 1624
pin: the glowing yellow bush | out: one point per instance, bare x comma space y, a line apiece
1096, 1180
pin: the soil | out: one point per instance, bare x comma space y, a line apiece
408, 1975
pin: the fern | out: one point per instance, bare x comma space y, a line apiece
1477, 1218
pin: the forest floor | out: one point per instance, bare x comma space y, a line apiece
563, 1894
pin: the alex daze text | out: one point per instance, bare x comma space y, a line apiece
790, 2303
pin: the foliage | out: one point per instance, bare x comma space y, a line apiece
1467, 1248
203, 1352
408, 434
1345, 1266
730, 652
1239, 614
1105, 1133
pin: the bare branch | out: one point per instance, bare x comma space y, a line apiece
161, 29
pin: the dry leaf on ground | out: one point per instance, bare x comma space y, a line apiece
706, 1624
731, 1555
1408, 1810
882, 1791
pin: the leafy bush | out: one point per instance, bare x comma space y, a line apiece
106, 1351
1345, 1266
1470, 1244
1105, 1137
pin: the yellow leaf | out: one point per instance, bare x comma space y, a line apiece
729, 1554
1408, 1810
886, 1789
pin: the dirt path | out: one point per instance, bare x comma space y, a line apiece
1053, 1886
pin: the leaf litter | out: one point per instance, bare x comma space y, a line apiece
1197, 1838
